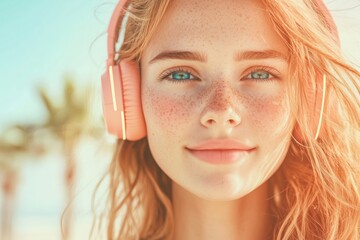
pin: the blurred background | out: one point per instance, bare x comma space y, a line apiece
53, 149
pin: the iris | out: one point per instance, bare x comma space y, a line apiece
260, 75
180, 75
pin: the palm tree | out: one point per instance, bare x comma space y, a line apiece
15, 143
70, 120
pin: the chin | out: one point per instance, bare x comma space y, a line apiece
226, 188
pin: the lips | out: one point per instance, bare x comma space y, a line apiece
221, 151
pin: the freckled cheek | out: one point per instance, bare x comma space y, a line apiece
267, 112
166, 111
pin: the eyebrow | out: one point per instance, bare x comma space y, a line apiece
181, 55
201, 57
254, 55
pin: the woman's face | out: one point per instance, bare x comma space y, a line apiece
215, 71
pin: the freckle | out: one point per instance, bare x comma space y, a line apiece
264, 111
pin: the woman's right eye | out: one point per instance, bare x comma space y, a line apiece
178, 75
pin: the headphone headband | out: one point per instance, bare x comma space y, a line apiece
328, 18
113, 30
118, 16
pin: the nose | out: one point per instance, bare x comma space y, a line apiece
220, 110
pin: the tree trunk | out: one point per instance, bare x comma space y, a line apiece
8, 204
70, 172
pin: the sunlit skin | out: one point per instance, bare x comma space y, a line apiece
223, 95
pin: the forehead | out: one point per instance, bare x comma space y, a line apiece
213, 24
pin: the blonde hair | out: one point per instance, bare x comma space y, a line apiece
315, 193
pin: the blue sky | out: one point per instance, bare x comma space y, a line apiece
41, 41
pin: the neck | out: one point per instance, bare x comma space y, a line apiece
244, 218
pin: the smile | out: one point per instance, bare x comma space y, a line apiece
221, 151
220, 156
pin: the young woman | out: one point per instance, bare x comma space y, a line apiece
237, 120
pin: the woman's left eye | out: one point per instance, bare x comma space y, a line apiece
260, 75
178, 75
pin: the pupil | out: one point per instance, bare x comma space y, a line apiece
180, 76
261, 75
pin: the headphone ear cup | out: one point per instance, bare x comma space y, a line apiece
121, 99
134, 117
111, 102
315, 98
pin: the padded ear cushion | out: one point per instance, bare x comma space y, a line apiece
314, 96
121, 99
134, 117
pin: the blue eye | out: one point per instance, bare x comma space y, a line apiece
181, 75
261, 75
178, 75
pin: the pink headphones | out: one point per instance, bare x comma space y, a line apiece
121, 89
121, 94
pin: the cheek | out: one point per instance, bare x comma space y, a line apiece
267, 112
164, 111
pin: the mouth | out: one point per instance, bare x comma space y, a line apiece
221, 151
220, 156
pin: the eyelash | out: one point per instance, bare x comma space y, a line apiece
271, 71
265, 69
166, 74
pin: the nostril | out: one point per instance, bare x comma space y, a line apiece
211, 121
232, 121
228, 118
